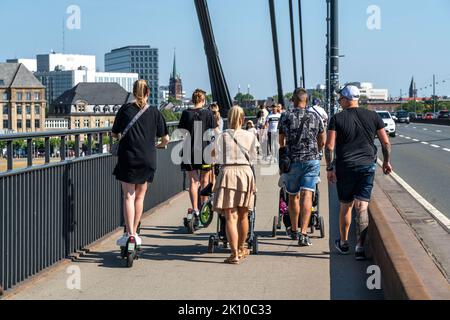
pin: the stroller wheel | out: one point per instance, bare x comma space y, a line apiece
313, 222
211, 244
275, 226
322, 227
255, 247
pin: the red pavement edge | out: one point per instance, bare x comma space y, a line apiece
389, 235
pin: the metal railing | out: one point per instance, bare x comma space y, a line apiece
50, 211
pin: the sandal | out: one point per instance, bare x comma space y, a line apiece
244, 253
232, 260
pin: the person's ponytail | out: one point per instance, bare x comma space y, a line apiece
141, 91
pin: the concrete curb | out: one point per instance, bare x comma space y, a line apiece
400, 255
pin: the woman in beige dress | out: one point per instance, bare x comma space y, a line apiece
235, 188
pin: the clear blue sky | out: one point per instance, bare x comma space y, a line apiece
413, 39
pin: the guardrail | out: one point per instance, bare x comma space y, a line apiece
442, 122
50, 211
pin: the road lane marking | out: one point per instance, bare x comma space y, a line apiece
442, 219
402, 136
445, 149
409, 138
416, 140
438, 131
435, 146
425, 142
425, 129
414, 127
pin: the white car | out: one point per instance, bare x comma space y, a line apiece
389, 123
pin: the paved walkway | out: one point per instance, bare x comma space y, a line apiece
174, 265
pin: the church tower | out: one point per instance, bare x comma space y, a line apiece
175, 83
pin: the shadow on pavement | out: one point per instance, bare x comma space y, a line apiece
348, 277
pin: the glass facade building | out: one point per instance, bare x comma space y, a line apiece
142, 60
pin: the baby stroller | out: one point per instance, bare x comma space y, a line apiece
316, 222
221, 236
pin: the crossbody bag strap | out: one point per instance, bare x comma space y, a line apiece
366, 133
241, 147
134, 120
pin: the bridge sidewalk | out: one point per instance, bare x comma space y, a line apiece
174, 265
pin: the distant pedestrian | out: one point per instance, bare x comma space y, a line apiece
352, 133
315, 107
214, 107
302, 137
137, 125
272, 129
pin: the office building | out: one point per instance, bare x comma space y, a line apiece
30, 64
370, 93
137, 59
22, 99
64, 62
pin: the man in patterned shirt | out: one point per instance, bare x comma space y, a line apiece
302, 134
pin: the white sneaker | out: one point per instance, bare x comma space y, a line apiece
122, 241
138, 240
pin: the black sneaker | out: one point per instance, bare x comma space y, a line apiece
345, 249
293, 234
304, 241
360, 255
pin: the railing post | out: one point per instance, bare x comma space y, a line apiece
100, 143
29, 152
62, 148
77, 146
47, 150
89, 145
9, 151
110, 142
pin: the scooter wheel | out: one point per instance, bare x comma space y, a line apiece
185, 222
130, 259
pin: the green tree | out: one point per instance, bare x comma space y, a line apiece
288, 96
175, 101
209, 98
169, 115
316, 94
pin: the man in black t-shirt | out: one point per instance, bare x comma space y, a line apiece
353, 132
196, 121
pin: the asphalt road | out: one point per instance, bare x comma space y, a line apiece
421, 156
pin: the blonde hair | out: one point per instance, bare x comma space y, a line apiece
198, 96
236, 117
141, 91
